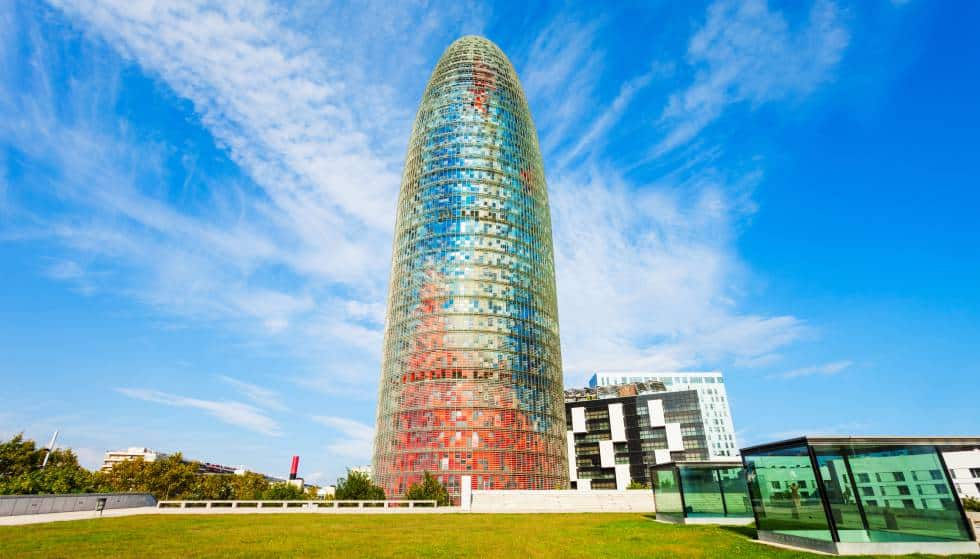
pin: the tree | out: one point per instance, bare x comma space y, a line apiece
249, 486
428, 490
638, 485
312, 492
21, 472
166, 478
212, 487
971, 504
358, 486
283, 492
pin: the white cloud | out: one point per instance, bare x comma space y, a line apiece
260, 396
648, 271
563, 58
827, 369
357, 438
233, 413
645, 278
747, 52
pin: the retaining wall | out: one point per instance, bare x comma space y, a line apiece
15, 505
561, 501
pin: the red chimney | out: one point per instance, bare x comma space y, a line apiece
294, 467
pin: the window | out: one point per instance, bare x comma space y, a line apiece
867, 492
776, 497
864, 478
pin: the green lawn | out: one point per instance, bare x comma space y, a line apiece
424, 535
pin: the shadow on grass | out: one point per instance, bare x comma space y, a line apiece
744, 531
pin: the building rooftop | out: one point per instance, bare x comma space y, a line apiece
818, 440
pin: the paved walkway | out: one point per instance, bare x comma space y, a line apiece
23, 519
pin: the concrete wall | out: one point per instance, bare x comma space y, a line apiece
562, 501
15, 505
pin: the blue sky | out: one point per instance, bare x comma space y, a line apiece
197, 203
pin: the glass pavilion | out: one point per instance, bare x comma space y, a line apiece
701, 493
848, 495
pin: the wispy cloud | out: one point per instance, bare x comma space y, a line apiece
747, 52
827, 369
260, 396
231, 412
356, 437
648, 271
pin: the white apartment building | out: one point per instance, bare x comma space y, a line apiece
964, 468
113, 457
710, 386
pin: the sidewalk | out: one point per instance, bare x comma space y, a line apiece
25, 519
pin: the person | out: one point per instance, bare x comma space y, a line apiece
794, 493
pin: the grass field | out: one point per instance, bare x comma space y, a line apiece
348, 536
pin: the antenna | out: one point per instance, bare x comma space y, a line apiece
50, 449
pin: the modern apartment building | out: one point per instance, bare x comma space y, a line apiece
615, 436
113, 457
712, 397
964, 468
471, 380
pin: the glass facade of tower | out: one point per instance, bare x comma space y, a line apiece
471, 380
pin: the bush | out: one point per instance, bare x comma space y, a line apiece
428, 490
358, 486
971, 504
283, 492
637, 485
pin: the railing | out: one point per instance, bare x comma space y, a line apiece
301, 505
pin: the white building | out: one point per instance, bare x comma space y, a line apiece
366, 470
964, 467
710, 386
113, 457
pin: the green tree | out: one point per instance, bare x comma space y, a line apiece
248, 487
21, 472
358, 486
212, 487
283, 492
638, 485
428, 490
971, 504
166, 478
311, 492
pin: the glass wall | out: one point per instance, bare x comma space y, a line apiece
667, 492
905, 495
784, 493
701, 490
702, 494
735, 491
874, 493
